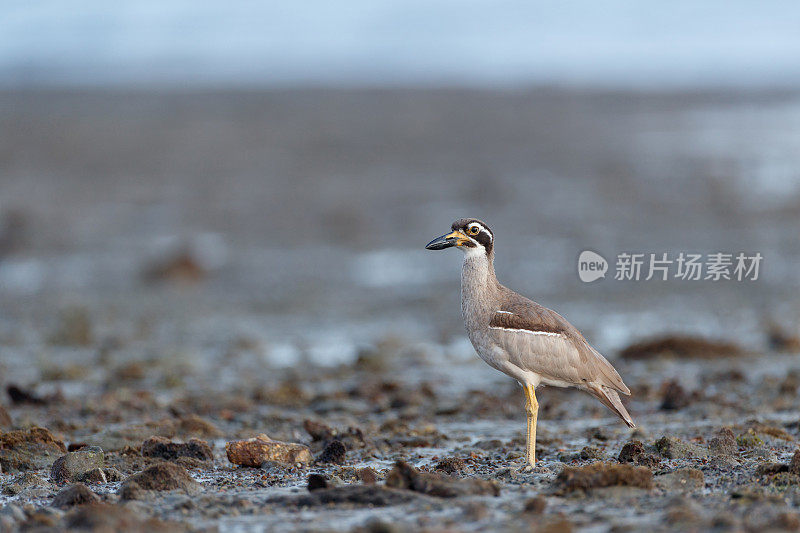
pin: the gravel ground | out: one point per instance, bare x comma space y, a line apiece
219, 266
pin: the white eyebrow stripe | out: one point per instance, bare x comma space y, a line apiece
545, 333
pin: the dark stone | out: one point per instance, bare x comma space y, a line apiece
536, 505
161, 476
674, 397
334, 453
634, 452
316, 482
77, 494
674, 448
169, 450
20, 396
113, 475
450, 465
599, 475
405, 476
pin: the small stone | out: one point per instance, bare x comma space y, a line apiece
683, 479
72, 465
674, 396
5, 418
723, 443
159, 477
316, 482
367, 476
170, 450
635, 452
77, 494
450, 465
334, 453
113, 475
95, 475
256, 451
536, 505
794, 463
318, 431
674, 448
193, 425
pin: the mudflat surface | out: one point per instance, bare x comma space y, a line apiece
218, 266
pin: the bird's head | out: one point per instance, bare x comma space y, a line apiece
469, 234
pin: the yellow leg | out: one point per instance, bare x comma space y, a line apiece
532, 408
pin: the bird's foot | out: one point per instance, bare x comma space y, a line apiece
527, 468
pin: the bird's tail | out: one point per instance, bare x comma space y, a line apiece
610, 399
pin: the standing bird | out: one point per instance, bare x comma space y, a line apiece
522, 339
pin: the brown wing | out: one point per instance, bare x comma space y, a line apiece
540, 340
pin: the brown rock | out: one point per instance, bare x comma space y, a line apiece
333, 453
71, 466
679, 346
794, 464
599, 475
635, 452
256, 451
95, 475
77, 494
674, 396
450, 465
29, 450
724, 443
193, 425
107, 518
405, 476
318, 431
535, 505
367, 476
170, 450
161, 476
5, 418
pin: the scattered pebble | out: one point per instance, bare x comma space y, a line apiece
29, 449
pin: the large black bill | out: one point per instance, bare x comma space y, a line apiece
440, 243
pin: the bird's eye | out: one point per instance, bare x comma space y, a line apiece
474, 230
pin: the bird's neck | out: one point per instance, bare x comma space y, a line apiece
478, 287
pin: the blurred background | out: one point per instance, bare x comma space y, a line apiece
178, 178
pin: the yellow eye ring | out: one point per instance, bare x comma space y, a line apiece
474, 230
